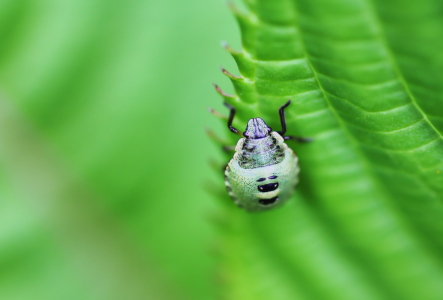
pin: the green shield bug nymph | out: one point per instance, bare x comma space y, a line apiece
264, 170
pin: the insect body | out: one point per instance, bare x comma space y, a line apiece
264, 170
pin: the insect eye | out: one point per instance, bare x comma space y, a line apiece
268, 187
268, 201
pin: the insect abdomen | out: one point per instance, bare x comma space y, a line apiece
263, 187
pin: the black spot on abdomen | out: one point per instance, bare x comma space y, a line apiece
267, 187
268, 201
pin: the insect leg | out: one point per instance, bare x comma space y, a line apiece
299, 139
231, 118
281, 112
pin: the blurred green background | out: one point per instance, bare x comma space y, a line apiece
104, 156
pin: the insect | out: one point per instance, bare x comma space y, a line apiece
264, 170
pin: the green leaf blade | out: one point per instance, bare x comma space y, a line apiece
369, 163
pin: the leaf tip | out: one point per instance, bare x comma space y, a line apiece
219, 90
228, 48
230, 75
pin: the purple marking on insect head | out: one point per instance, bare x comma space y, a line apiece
257, 129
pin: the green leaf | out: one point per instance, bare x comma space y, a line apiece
365, 83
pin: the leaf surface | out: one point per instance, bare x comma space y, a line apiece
366, 220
